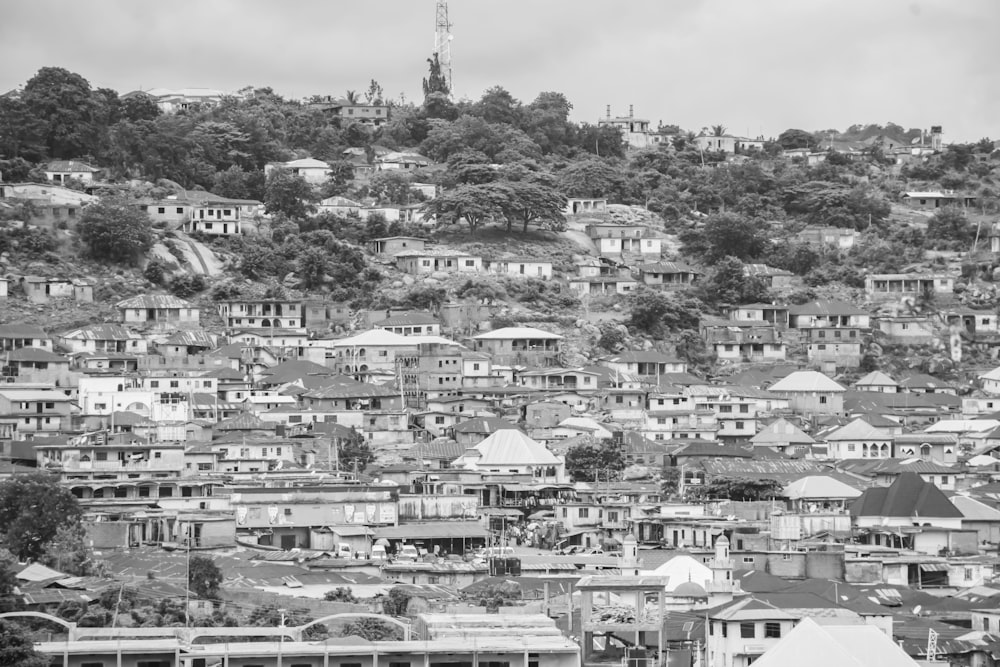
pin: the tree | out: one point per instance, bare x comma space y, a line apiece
724, 235
950, 224
312, 267
32, 510
355, 451
68, 552
372, 629
16, 647
288, 194
68, 107
589, 178
204, 577
340, 594
397, 602
115, 230
670, 481
793, 138
374, 94
588, 463
475, 204
139, 107
743, 488
718, 130
728, 283
528, 202
656, 313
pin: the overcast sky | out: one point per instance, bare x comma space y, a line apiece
755, 66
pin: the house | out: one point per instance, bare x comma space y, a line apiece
26, 412
811, 392
410, 324
579, 206
783, 436
738, 634
521, 267
311, 170
619, 240
51, 204
935, 200
16, 336
391, 246
636, 132
43, 290
511, 452
893, 286
602, 285
60, 171
837, 346
882, 512
877, 381
158, 310
351, 111
941, 447
263, 314
99, 338
990, 381
4, 288
400, 161
858, 440
421, 262
645, 364
724, 143
219, 216
761, 312
561, 379
35, 365
519, 345
172, 100
906, 329
340, 206
829, 313
743, 340
770, 276
838, 237
667, 274
921, 383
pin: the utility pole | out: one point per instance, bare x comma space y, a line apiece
442, 42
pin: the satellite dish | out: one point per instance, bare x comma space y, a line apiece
916, 610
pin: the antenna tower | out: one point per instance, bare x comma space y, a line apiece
442, 41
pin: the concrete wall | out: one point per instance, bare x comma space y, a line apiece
862, 571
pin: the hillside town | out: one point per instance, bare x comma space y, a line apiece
359, 382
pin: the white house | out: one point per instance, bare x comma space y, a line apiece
60, 171
313, 171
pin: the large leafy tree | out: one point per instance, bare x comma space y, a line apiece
16, 647
33, 509
728, 283
115, 230
69, 108
589, 462
950, 224
528, 202
288, 194
204, 577
794, 138
726, 235
656, 313
475, 204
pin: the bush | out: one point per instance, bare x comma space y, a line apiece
154, 272
186, 285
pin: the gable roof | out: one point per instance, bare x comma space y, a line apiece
511, 333
859, 429
820, 487
876, 379
855, 645
801, 381
908, 496
510, 446
782, 431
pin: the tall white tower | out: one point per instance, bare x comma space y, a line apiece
442, 41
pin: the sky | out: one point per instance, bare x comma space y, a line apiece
754, 66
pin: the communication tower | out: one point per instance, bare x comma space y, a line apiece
442, 41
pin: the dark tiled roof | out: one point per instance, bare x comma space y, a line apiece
908, 496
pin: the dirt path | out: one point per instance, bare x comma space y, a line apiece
201, 259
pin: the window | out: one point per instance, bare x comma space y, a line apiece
288, 511
748, 559
725, 629
968, 574
851, 447
399, 664
565, 512
822, 400
101, 456
439, 420
470, 262
161, 210
154, 384
584, 513
613, 517
772, 630
174, 384
180, 211
748, 630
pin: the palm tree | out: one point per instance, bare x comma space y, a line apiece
718, 130
351, 96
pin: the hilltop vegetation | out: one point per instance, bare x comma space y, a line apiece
502, 169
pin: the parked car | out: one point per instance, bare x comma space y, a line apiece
408, 552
